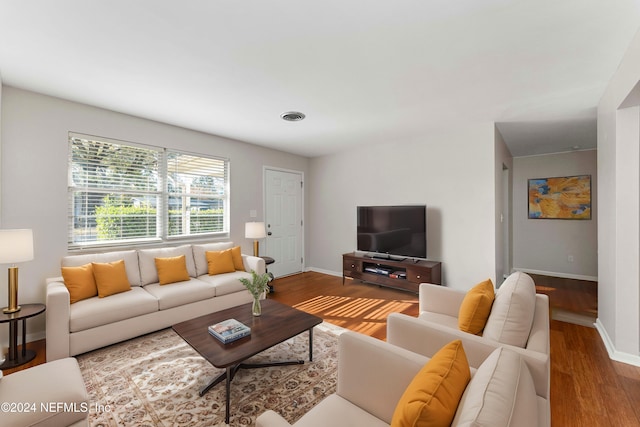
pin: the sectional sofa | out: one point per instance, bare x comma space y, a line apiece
148, 306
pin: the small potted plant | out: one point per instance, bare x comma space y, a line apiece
257, 286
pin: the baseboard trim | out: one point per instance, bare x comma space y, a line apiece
320, 270
614, 354
554, 274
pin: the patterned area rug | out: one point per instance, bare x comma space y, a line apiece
154, 380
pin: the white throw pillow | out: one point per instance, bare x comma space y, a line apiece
512, 311
501, 393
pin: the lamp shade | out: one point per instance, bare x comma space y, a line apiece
16, 246
254, 230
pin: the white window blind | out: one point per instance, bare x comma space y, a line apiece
122, 193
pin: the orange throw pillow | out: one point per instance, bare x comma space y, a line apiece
172, 269
220, 262
432, 397
80, 282
236, 254
476, 307
111, 278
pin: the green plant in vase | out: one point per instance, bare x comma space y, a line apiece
258, 285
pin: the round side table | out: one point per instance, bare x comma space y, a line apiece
15, 358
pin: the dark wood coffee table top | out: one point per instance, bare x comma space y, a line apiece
278, 323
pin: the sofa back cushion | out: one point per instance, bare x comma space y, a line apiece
500, 394
147, 257
512, 311
200, 258
130, 262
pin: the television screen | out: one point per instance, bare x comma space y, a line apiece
393, 230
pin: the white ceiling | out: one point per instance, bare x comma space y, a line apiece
362, 71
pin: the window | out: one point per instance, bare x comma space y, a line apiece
121, 193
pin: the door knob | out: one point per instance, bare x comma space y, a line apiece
269, 234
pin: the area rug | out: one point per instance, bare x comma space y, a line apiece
154, 380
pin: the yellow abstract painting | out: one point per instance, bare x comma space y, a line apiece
567, 197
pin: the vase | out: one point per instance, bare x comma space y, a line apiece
256, 308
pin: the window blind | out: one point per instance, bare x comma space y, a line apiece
121, 192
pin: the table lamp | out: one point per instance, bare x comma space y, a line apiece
15, 246
255, 230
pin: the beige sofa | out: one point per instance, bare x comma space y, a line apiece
373, 375
96, 322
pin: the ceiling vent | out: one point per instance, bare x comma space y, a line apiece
292, 116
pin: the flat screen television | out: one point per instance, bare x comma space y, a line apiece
393, 231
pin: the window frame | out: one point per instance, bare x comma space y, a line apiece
163, 195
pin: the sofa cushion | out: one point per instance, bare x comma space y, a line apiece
172, 269
96, 311
512, 312
337, 411
80, 282
181, 293
475, 307
130, 262
432, 397
500, 394
111, 278
202, 267
226, 283
148, 271
220, 262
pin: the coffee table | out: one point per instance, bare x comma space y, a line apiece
278, 323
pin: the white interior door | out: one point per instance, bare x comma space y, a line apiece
283, 219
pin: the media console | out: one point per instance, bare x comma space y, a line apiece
406, 275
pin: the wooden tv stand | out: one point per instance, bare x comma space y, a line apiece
358, 266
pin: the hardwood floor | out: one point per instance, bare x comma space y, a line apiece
587, 388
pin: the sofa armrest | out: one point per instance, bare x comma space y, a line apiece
440, 299
271, 419
373, 374
57, 319
427, 338
253, 263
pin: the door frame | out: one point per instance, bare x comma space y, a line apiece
302, 205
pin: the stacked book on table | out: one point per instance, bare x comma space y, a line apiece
229, 330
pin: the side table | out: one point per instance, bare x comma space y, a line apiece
14, 358
268, 260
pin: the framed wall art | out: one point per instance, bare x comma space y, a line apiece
565, 197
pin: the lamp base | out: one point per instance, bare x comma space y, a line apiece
9, 310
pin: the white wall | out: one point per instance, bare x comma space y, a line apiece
34, 174
544, 245
452, 172
619, 211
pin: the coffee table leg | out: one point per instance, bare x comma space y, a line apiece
229, 375
311, 345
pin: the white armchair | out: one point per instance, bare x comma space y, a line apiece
437, 324
373, 375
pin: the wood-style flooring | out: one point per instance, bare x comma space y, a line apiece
587, 388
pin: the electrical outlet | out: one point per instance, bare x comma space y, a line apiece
570, 258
